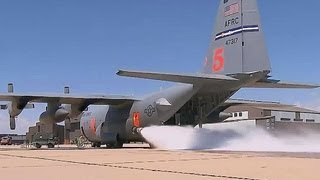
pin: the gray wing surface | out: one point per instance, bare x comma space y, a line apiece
68, 99
180, 78
281, 85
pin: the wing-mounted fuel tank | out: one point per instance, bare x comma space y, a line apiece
105, 124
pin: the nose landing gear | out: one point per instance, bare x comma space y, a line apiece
96, 144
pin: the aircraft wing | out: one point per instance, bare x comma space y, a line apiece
68, 99
6, 106
180, 78
280, 85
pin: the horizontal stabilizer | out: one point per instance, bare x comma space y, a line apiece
180, 78
281, 85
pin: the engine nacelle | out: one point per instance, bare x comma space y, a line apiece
15, 108
218, 117
74, 110
52, 117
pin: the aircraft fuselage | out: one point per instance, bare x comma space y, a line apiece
112, 123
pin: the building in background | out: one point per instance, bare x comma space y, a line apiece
16, 139
66, 134
276, 116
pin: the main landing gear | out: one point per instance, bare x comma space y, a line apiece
115, 145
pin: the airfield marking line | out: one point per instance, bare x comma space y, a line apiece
131, 168
252, 154
167, 160
34, 166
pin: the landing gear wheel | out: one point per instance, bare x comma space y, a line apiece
118, 145
50, 145
38, 146
96, 145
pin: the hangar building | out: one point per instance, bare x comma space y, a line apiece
272, 115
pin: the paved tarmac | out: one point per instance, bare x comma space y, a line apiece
143, 163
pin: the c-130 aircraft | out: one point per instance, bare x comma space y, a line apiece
237, 58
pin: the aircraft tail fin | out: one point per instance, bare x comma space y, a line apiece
238, 45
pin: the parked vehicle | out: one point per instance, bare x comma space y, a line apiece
7, 140
40, 140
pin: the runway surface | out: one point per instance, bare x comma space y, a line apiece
145, 163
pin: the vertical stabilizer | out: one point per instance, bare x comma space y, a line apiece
237, 44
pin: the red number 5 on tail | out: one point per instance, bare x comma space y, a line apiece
218, 60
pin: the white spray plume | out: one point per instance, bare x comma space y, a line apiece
241, 136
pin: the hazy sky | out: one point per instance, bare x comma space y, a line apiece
45, 45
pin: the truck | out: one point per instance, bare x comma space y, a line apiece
40, 140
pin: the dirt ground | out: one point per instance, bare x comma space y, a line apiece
144, 163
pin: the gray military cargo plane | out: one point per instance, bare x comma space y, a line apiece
237, 58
